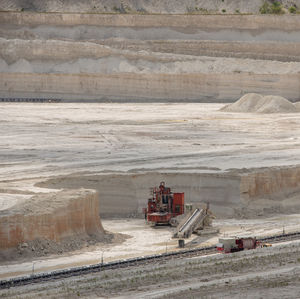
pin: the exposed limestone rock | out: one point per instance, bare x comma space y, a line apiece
104, 57
53, 216
273, 183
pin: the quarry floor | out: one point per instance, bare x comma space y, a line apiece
41, 141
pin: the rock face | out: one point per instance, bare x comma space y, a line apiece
273, 183
53, 216
125, 57
126, 195
144, 87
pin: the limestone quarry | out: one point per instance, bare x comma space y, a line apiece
101, 101
133, 57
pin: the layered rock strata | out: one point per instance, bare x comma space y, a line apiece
53, 216
147, 87
77, 57
271, 183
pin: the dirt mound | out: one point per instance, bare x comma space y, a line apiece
257, 103
276, 104
246, 103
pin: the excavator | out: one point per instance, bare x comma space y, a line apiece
165, 208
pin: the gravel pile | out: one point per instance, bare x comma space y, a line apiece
256, 103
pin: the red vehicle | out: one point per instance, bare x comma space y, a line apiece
227, 245
164, 206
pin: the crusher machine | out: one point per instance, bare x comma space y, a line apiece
164, 206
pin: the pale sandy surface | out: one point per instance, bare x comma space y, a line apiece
40, 140
145, 240
269, 272
9, 200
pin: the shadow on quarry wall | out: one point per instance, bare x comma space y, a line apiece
235, 194
126, 195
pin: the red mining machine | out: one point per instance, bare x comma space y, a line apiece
164, 206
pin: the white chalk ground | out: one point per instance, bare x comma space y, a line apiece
146, 240
9, 200
42, 140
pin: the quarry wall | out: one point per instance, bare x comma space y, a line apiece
270, 50
11, 50
130, 57
51, 217
126, 195
130, 86
271, 183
